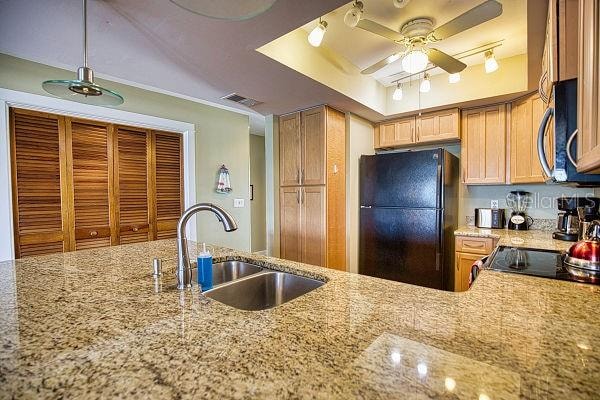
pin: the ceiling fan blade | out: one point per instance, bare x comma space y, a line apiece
380, 64
380, 30
486, 11
448, 63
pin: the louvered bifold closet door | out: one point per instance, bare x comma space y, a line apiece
37, 139
132, 154
92, 170
169, 182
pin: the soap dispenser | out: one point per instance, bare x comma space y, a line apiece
205, 267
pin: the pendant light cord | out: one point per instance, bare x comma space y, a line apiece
85, 56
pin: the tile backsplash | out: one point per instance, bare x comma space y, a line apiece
538, 223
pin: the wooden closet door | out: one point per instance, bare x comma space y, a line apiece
313, 229
289, 225
37, 140
168, 162
313, 147
132, 150
290, 151
92, 176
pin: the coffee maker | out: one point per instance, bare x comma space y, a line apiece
518, 201
576, 213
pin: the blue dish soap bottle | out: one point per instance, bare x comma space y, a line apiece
205, 269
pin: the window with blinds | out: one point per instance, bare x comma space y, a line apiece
80, 184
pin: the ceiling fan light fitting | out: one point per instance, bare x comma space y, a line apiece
400, 3
415, 61
425, 84
491, 64
454, 78
354, 14
398, 94
315, 37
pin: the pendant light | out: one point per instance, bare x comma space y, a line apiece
229, 10
354, 14
425, 84
398, 94
454, 78
83, 89
491, 64
316, 36
415, 61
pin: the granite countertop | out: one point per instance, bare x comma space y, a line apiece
537, 239
89, 324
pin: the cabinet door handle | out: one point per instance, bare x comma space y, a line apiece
94, 233
301, 175
298, 196
302, 196
298, 175
135, 229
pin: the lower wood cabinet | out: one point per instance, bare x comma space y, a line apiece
303, 224
81, 184
468, 250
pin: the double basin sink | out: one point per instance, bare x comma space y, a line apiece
250, 287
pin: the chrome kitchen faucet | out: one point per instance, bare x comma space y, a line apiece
184, 270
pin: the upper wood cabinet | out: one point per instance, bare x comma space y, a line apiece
438, 126
81, 184
560, 46
525, 117
588, 88
290, 150
483, 146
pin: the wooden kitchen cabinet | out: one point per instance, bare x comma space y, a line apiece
588, 88
313, 186
560, 45
438, 126
525, 117
397, 133
81, 184
468, 250
483, 145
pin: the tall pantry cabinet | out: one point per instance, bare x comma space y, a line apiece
313, 187
80, 184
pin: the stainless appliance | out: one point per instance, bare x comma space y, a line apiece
489, 218
576, 213
562, 114
534, 262
518, 201
408, 214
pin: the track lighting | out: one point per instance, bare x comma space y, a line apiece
425, 84
454, 78
398, 93
354, 14
415, 61
316, 36
490, 62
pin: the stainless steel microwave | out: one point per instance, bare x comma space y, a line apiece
562, 113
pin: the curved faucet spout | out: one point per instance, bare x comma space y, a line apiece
184, 270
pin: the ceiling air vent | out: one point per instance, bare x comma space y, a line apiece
241, 99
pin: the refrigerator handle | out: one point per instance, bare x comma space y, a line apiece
366, 207
438, 250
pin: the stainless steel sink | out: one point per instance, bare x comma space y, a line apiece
228, 271
262, 291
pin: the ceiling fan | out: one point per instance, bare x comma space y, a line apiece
417, 34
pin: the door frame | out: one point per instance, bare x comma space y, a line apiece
12, 98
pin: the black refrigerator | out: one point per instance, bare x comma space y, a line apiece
408, 215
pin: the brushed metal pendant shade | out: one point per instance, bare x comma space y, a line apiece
83, 89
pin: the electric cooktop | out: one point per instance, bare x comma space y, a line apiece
535, 262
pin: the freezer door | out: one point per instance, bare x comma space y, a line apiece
410, 179
401, 245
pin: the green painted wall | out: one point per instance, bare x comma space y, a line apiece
258, 179
222, 137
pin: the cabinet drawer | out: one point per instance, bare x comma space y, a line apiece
474, 245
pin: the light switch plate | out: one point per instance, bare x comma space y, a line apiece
238, 203
494, 204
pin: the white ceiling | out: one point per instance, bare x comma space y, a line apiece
363, 48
